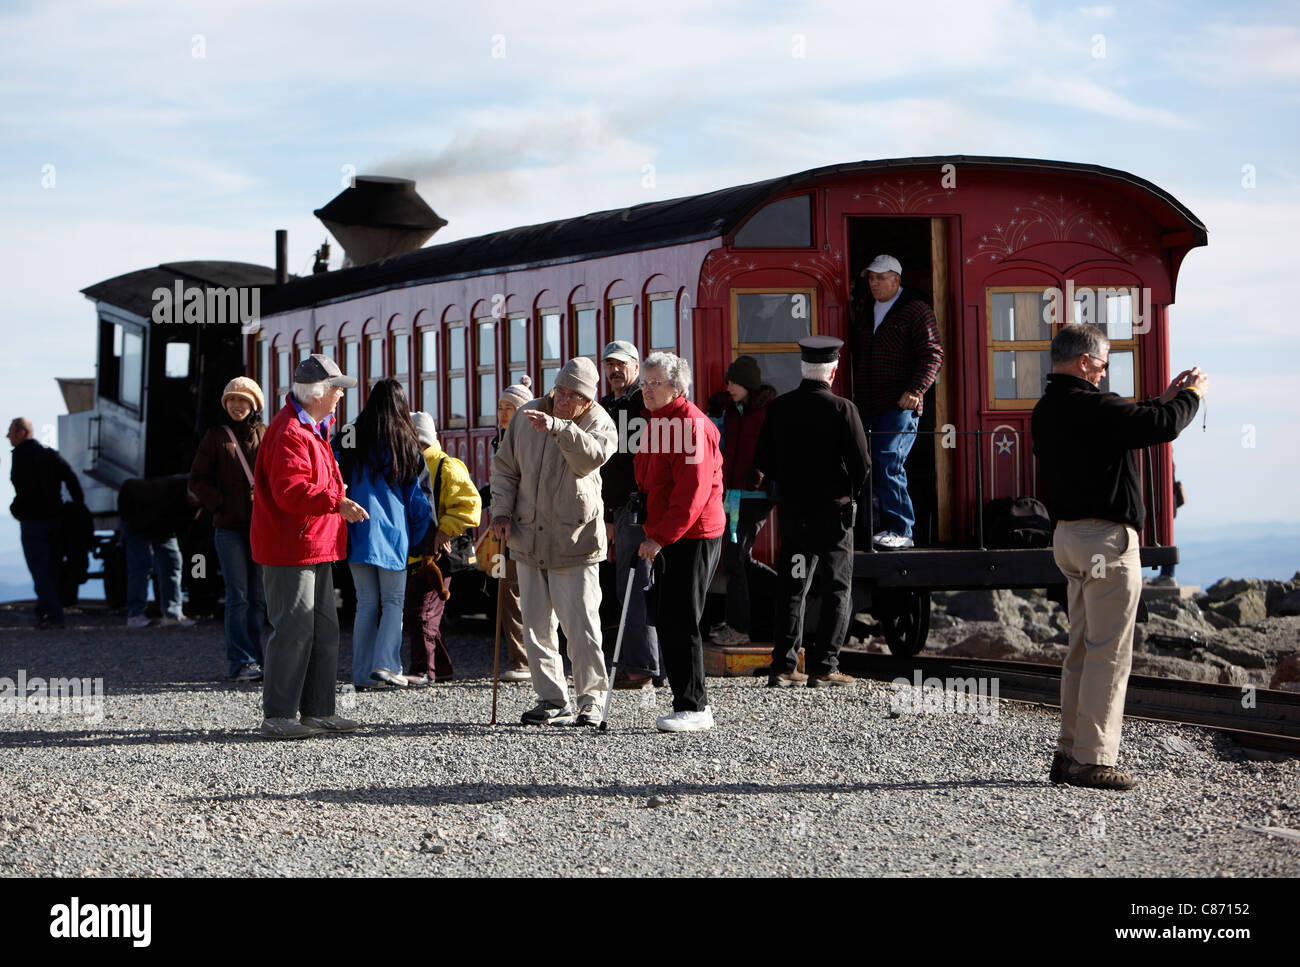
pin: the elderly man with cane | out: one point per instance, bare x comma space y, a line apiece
546, 505
299, 529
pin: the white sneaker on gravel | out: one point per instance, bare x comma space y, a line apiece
391, 678
176, 621
138, 621
516, 675
686, 721
891, 541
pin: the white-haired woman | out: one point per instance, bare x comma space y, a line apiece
679, 468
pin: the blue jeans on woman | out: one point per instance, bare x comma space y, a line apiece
245, 599
892, 435
376, 637
162, 557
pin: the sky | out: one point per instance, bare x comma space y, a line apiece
135, 133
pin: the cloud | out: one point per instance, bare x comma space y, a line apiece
1236, 53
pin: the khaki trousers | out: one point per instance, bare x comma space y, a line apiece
571, 595
1100, 561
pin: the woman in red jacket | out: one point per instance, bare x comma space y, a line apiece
679, 469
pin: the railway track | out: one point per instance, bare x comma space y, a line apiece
1256, 718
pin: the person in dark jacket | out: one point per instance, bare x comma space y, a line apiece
679, 468
639, 660
1085, 441
153, 512
813, 450
38, 475
896, 359
747, 397
223, 483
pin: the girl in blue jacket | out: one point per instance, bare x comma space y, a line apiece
386, 474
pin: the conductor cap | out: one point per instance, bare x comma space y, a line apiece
820, 349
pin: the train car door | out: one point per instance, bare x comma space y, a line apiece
921, 246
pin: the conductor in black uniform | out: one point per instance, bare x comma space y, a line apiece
813, 450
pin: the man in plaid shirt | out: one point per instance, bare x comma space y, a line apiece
897, 355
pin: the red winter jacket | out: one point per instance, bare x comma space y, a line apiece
682, 481
297, 488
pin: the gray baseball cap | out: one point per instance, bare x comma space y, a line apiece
621, 349
317, 368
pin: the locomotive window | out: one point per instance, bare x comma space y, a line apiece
303, 352
663, 322
585, 331
781, 224
1021, 315
110, 360
282, 371
550, 350
1109, 309
429, 373
328, 349
351, 397
400, 362
518, 338
774, 316
176, 361
374, 361
132, 385
457, 395
487, 373
622, 315
1020, 374
1022, 322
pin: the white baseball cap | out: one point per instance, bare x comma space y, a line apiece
885, 263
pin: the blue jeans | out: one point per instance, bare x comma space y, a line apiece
892, 435
164, 558
40, 539
245, 598
376, 638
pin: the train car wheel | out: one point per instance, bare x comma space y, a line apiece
904, 618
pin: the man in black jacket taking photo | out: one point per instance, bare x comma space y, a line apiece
1086, 441
38, 474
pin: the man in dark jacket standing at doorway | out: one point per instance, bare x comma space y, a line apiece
1085, 441
813, 449
38, 474
896, 359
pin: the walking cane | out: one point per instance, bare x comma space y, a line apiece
496, 649
618, 647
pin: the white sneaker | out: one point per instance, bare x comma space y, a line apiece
686, 721
176, 621
137, 621
891, 541
516, 675
392, 678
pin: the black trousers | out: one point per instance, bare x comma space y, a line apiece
826, 559
678, 601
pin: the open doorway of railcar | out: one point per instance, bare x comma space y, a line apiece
920, 245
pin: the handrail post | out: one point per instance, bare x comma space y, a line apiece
979, 492
871, 488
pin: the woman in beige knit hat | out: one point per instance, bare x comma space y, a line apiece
222, 478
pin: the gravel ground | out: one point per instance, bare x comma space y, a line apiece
175, 781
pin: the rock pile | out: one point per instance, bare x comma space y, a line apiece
1240, 631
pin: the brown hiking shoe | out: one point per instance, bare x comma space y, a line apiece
781, 679
1098, 777
831, 678
630, 680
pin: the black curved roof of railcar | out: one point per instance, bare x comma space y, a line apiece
134, 290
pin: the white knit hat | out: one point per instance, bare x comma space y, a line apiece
425, 429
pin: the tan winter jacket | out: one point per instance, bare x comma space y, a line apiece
548, 484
